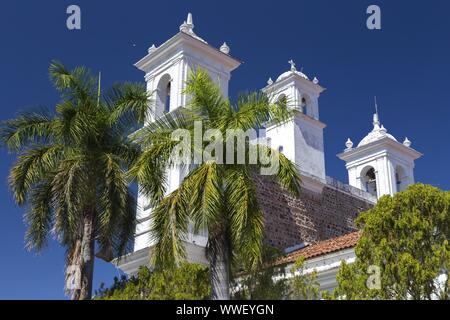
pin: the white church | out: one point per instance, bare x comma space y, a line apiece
320, 225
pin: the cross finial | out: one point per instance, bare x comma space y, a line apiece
292, 63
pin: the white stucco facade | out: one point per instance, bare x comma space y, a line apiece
301, 138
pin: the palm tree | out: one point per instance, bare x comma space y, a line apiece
71, 170
220, 198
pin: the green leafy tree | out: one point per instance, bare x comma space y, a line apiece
266, 282
303, 285
71, 170
186, 282
216, 197
404, 250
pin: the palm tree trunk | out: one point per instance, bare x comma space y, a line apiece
87, 258
220, 270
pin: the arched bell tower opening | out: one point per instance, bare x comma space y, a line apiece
167, 100
369, 180
305, 104
163, 94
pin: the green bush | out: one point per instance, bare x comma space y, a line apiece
186, 282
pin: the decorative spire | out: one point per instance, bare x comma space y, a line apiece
270, 81
189, 21
224, 48
407, 143
376, 119
376, 122
188, 25
349, 144
152, 49
292, 63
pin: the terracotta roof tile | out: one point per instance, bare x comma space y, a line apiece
324, 247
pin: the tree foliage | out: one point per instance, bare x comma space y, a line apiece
186, 282
71, 169
405, 240
303, 285
266, 282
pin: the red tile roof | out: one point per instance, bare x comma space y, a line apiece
324, 247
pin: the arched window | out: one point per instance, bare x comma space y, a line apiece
163, 95
304, 106
167, 98
369, 181
280, 149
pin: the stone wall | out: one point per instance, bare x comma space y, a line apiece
311, 217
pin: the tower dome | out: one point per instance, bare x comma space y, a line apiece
293, 70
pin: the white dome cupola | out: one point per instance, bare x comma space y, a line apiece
380, 164
292, 71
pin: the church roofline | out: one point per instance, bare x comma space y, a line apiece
182, 38
322, 248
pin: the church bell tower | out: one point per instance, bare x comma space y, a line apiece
167, 69
301, 138
380, 164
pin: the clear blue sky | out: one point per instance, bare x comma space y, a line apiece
406, 65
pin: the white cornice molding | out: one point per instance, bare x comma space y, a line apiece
383, 145
181, 40
297, 116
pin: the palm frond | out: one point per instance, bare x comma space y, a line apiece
206, 96
204, 193
254, 110
245, 216
27, 128
31, 167
76, 85
113, 200
73, 192
169, 228
130, 101
39, 216
150, 170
